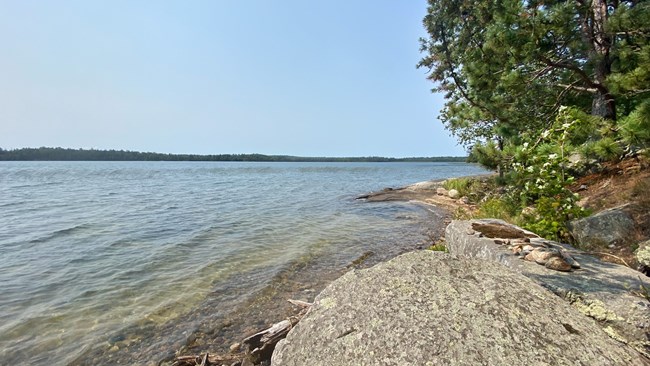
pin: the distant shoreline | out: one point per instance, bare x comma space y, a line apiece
65, 154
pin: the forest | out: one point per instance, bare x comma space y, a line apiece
61, 154
542, 91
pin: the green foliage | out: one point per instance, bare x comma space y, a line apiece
505, 67
462, 185
607, 149
635, 128
498, 208
439, 246
551, 216
488, 155
540, 178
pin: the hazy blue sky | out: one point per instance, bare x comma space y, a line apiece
313, 78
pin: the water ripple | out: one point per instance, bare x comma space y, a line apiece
141, 254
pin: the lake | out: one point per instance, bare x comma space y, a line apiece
111, 262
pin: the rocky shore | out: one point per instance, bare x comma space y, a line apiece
502, 295
433, 308
482, 303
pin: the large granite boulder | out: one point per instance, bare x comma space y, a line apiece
610, 227
609, 293
428, 308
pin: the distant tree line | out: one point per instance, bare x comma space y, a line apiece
63, 154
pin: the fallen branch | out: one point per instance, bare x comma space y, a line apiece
207, 360
260, 345
612, 255
300, 304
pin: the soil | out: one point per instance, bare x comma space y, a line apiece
624, 183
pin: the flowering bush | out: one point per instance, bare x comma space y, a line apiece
540, 178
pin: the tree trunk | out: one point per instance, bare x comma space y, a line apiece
603, 104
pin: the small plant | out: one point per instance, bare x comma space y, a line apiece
439, 246
462, 214
643, 291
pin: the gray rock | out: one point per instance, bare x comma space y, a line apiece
609, 227
428, 308
607, 292
453, 193
441, 191
643, 253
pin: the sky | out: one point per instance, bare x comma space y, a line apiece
306, 78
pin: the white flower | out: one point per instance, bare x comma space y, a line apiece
552, 156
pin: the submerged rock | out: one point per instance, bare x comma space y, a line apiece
429, 308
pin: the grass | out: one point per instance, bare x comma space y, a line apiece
474, 189
439, 246
462, 185
497, 208
640, 193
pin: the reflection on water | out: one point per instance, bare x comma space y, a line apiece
132, 261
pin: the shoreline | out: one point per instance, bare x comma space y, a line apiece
424, 194
421, 194
428, 193
302, 279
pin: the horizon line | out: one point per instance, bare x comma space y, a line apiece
195, 155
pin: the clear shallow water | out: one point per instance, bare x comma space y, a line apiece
112, 259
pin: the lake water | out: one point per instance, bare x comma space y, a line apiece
127, 262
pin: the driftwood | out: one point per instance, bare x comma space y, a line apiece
208, 359
259, 346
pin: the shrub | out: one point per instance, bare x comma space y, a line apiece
539, 177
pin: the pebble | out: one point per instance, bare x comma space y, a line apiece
234, 348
